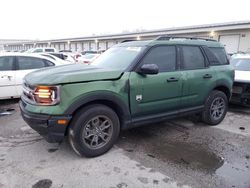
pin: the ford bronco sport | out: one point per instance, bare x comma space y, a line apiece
131, 84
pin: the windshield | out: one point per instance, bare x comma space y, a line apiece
241, 64
117, 57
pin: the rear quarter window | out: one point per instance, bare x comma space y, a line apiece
218, 56
49, 50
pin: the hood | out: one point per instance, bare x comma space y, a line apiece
242, 76
70, 73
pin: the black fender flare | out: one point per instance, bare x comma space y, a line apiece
102, 96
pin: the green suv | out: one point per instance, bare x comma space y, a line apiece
131, 84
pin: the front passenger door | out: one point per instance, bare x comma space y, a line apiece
159, 93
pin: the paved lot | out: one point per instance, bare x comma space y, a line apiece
178, 153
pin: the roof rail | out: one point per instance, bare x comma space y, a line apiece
168, 37
127, 40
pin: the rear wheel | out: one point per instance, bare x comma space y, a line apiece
215, 108
94, 130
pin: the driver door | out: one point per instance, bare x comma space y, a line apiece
158, 93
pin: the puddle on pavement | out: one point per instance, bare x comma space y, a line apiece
45, 183
191, 155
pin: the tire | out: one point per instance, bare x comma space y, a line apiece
93, 130
215, 108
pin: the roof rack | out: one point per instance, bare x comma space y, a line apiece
168, 37
127, 40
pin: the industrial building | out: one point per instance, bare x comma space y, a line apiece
234, 35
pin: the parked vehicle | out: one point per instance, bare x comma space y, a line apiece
131, 84
66, 51
92, 52
14, 66
241, 87
55, 58
87, 59
41, 50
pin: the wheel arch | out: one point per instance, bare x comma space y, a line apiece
109, 99
223, 89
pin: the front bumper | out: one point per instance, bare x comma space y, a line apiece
46, 125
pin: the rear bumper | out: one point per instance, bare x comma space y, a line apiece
241, 93
46, 125
243, 99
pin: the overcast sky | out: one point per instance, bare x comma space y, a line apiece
53, 19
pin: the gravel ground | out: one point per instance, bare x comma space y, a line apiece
177, 153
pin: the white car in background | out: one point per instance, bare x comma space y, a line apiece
241, 87
88, 58
41, 50
55, 58
13, 68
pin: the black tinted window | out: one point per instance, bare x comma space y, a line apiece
25, 63
213, 60
220, 54
192, 58
6, 63
163, 56
49, 50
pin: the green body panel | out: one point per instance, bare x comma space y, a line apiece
157, 94
70, 74
72, 92
195, 87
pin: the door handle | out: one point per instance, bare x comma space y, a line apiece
9, 77
172, 79
207, 76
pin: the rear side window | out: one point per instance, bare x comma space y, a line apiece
25, 63
49, 50
192, 58
38, 51
49, 63
221, 55
6, 63
163, 56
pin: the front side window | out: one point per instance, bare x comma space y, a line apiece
6, 63
192, 58
25, 63
163, 56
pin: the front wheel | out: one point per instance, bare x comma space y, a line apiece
215, 108
94, 130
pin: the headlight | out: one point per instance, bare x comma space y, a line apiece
47, 95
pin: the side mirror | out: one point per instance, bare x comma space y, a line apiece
149, 69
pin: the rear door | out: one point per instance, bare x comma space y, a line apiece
198, 77
159, 93
7, 77
26, 65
